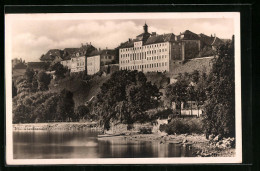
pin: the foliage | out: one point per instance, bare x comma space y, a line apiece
183, 126
145, 130
220, 104
65, 107
125, 97
40, 107
14, 90
60, 70
177, 91
21, 114
29, 74
191, 50
83, 112
43, 81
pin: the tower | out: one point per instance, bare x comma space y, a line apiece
145, 28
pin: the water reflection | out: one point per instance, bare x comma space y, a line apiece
84, 144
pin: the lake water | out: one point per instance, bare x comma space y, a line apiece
85, 144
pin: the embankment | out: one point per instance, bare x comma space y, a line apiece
55, 126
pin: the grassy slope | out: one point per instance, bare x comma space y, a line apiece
200, 64
81, 89
17, 72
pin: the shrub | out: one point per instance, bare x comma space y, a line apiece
163, 127
183, 126
145, 130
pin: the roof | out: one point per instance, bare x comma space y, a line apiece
217, 42
108, 52
212, 41
188, 35
69, 53
51, 54
94, 53
127, 44
83, 50
160, 38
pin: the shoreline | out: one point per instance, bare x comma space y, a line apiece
52, 126
202, 146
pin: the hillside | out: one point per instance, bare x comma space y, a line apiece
200, 64
17, 73
82, 90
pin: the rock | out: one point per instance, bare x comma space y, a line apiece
184, 140
217, 138
211, 137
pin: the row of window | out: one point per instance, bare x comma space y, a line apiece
143, 47
106, 57
142, 54
148, 59
81, 64
154, 65
148, 52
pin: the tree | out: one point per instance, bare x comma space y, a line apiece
195, 76
29, 74
66, 105
83, 112
200, 91
14, 90
125, 97
60, 70
21, 114
220, 104
177, 91
43, 81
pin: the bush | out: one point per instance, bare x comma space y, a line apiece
183, 126
145, 130
163, 127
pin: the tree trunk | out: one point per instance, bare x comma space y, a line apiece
180, 108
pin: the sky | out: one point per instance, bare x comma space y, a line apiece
33, 36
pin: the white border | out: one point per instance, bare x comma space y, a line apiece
9, 18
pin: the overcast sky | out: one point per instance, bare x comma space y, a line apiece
32, 38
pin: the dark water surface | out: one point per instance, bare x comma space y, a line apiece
84, 144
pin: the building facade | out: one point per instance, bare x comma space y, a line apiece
151, 52
78, 63
93, 64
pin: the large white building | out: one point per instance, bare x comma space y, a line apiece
151, 52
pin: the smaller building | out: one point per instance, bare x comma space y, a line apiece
39, 66
188, 108
66, 63
78, 63
93, 64
99, 58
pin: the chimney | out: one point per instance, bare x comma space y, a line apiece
129, 40
214, 34
106, 48
99, 49
81, 44
211, 35
89, 43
